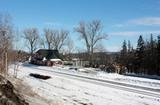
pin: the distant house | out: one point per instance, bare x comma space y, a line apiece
79, 62
46, 57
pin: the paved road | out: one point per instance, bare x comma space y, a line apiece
112, 84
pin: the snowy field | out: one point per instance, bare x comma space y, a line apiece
91, 72
138, 81
60, 90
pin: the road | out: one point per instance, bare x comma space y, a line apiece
112, 84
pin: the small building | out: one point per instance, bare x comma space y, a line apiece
46, 57
78, 62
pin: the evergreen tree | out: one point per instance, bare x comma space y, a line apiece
129, 46
123, 55
158, 56
140, 55
130, 58
124, 48
140, 45
152, 55
151, 43
149, 59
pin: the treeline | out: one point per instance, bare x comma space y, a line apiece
90, 33
144, 59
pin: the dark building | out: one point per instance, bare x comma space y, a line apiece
46, 57
48, 54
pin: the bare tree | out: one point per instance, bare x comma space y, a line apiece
99, 48
32, 36
49, 37
42, 43
56, 39
91, 33
59, 38
70, 46
6, 35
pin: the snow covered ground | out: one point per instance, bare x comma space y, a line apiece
65, 91
137, 81
151, 83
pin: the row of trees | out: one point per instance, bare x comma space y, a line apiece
145, 59
90, 33
54, 39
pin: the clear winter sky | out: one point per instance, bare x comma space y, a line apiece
122, 19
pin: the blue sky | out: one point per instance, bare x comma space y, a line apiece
122, 19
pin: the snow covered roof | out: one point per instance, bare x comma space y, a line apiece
55, 60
